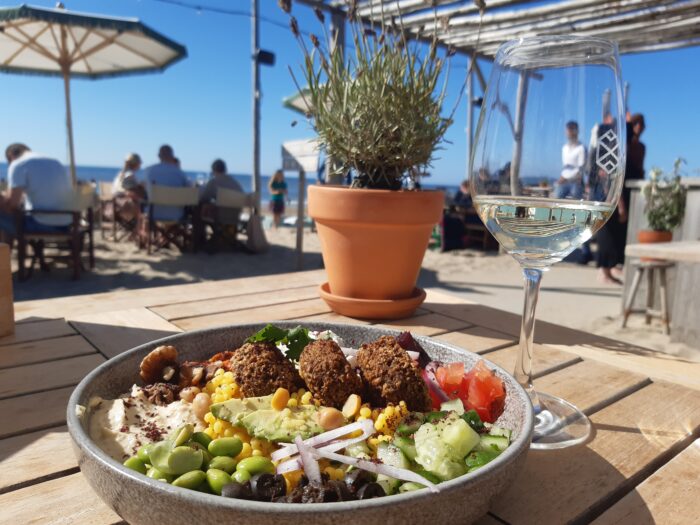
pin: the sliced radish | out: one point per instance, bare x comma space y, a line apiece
366, 425
377, 468
311, 468
295, 464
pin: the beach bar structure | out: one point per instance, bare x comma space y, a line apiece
477, 28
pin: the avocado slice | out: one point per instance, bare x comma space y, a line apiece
283, 425
234, 410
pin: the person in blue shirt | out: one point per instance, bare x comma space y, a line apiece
36, 182
166, 173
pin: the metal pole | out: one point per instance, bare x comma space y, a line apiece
300, 220
470, 113
520, 104
65, 69
255, 42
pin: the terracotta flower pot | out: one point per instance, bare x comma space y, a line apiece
653, 236
373, 242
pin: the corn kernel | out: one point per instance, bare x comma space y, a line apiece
389, 411
306, 398
365, 412
246, 451
292, 403
257, 452
280, 398
228, 432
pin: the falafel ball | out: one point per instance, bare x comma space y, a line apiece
260, 368
391, 376
327, 373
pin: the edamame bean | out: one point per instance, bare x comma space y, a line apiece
190, 480
225, 463
225, 447
217, 479
205, 454
182, 435
159, 454
241, 476
184, 459
142, 453
157, 474
256, 465
134, 463
202, 438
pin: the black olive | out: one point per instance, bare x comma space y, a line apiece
341, 489
371, 490
237, 490
268, 487
357, 478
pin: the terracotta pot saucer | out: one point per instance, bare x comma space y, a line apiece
372, 308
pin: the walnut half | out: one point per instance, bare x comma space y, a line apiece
160, 365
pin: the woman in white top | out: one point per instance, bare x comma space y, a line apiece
128, 192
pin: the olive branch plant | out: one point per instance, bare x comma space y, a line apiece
376, 107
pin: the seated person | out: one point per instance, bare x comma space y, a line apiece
128, 192
463, 198
219, 179
43, 183
167, 173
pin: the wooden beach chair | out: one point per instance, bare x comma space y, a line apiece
182, 233
227, 231
71, 239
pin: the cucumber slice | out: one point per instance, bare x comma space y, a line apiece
410, 486
500, 431
453, 405
410, 424
498, 443
407, 446
390, 485
391, 455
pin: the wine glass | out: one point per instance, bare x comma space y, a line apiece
553, 110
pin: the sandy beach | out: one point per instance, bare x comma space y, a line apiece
571, 294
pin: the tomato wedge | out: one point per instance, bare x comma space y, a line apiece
485, 393
450, 378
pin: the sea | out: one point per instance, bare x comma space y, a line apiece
102, 173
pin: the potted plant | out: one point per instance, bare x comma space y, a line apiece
665, 204
377, 110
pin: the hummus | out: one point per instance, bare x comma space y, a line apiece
120, 426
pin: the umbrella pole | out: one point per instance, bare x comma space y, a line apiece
69, 125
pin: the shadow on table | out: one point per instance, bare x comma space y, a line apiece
572, 485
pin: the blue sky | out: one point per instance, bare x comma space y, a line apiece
202, 105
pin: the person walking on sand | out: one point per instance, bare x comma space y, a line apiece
573, 158
278, 194
612, 237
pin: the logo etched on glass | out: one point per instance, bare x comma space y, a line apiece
607, 157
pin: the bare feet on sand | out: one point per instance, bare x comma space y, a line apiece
606, 276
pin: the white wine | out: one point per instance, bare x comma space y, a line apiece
540, 232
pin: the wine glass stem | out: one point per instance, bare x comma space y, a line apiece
523, 365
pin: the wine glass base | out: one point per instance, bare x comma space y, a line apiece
558, 424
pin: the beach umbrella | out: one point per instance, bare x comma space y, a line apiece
57, 42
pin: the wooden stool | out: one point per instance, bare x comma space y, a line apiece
651, 267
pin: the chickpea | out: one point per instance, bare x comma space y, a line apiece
188, 393
201, 404
330, 418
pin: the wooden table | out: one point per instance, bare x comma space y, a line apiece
679, 251
641, 466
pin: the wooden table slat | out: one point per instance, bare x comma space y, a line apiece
428, 324
263, 314
25, 458
668, 496
117, 331
233, 303
45, 376
545, 359
36, 331
45, 350
477, 339
64, 500
34, 412
631, 437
